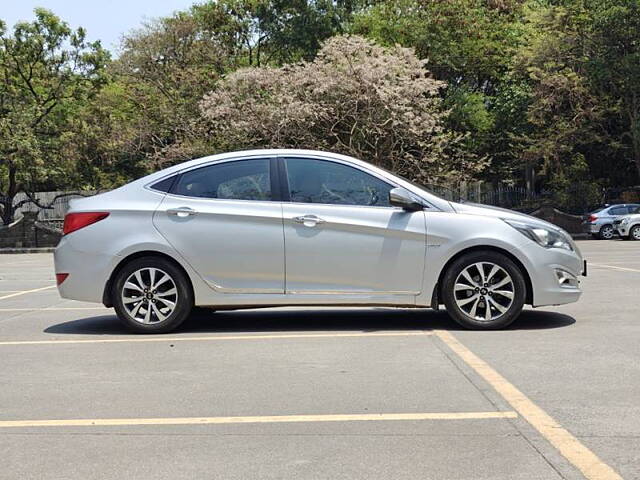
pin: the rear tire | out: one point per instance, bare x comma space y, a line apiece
484, 290
151, 295
634, 233
606, 232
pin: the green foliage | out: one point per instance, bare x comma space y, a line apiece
573, 190
463, 41
614, 69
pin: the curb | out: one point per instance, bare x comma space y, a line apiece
27, 250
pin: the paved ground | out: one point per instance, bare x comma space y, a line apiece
323, 393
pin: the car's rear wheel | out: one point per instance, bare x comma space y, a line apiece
606, 232
634, 233
152, 295
484, 290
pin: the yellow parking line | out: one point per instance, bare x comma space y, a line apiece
569, 446
160, 338
24, 292
100, 422
624, 269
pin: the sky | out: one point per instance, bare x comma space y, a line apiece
104, 20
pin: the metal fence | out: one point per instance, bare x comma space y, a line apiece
577, 199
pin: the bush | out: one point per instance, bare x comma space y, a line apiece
357, 98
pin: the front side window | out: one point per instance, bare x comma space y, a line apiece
326, 182
237, 180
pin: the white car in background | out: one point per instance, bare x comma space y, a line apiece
628, 227
298, 227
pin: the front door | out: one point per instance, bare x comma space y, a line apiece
222, 220
343, 237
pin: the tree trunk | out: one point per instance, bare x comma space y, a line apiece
8, 211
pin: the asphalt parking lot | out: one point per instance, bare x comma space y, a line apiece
322, 393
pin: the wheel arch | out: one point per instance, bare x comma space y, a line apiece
106, 294
437, 291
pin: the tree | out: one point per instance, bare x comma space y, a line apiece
614, 68
46, 72
563, 110
356, 97
470, 44
167, 66
464, 42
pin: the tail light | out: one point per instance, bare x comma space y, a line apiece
592, 218
61, 277
76, 221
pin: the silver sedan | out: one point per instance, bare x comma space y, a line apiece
298, 227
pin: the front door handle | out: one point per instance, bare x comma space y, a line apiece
309, 220
182, 212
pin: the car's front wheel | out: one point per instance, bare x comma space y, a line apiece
484, 290
151, 295
634, 233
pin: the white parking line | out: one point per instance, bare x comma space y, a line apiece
24, 292
99, 422
160, 338
613, 267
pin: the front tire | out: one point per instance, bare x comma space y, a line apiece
484, 290
634, 233
152, 295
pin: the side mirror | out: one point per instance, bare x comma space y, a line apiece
399, 197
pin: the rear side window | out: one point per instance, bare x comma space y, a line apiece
326, 182
237, 180
164, 185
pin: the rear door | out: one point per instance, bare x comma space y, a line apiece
226, 221
343, 237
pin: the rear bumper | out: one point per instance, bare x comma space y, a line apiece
88, 272
590, 228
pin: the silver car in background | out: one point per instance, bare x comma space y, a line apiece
628, 227
600, 223
297, 227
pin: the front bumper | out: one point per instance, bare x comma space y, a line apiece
622, 230
543, 266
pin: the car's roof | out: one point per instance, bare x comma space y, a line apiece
270, 152
259, 152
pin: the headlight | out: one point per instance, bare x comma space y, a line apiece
624, 221
544, 237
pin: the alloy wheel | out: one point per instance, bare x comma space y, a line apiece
635, 233
607, 232
149, 295
484, 291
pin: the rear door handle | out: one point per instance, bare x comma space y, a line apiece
182, 212
309, 220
